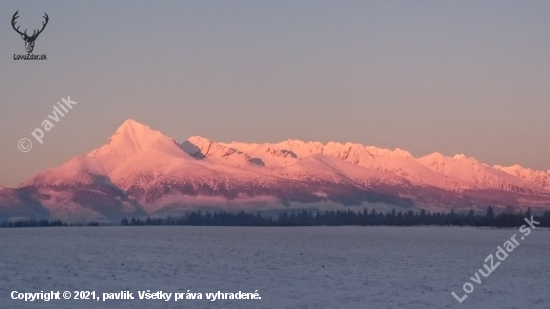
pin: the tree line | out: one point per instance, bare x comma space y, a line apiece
320, 218
32, 223
41, 223
349, 217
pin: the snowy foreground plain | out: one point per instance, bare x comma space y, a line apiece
295, 267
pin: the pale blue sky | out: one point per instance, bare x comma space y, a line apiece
466, 77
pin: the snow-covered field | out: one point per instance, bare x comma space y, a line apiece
301, 267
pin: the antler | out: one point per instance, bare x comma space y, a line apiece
13, 24
43, 26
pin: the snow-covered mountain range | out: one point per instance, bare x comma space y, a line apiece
142, 172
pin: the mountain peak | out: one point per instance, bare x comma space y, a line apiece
459, 156
132, 137
136, 133
131, 126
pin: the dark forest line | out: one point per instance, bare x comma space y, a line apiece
342, 218
320, 218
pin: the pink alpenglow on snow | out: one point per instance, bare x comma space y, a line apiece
140, 171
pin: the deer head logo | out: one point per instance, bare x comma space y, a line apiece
29, 40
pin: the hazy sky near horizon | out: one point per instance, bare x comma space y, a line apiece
466, 77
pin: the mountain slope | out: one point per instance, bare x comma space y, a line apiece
140, 171
539, 178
